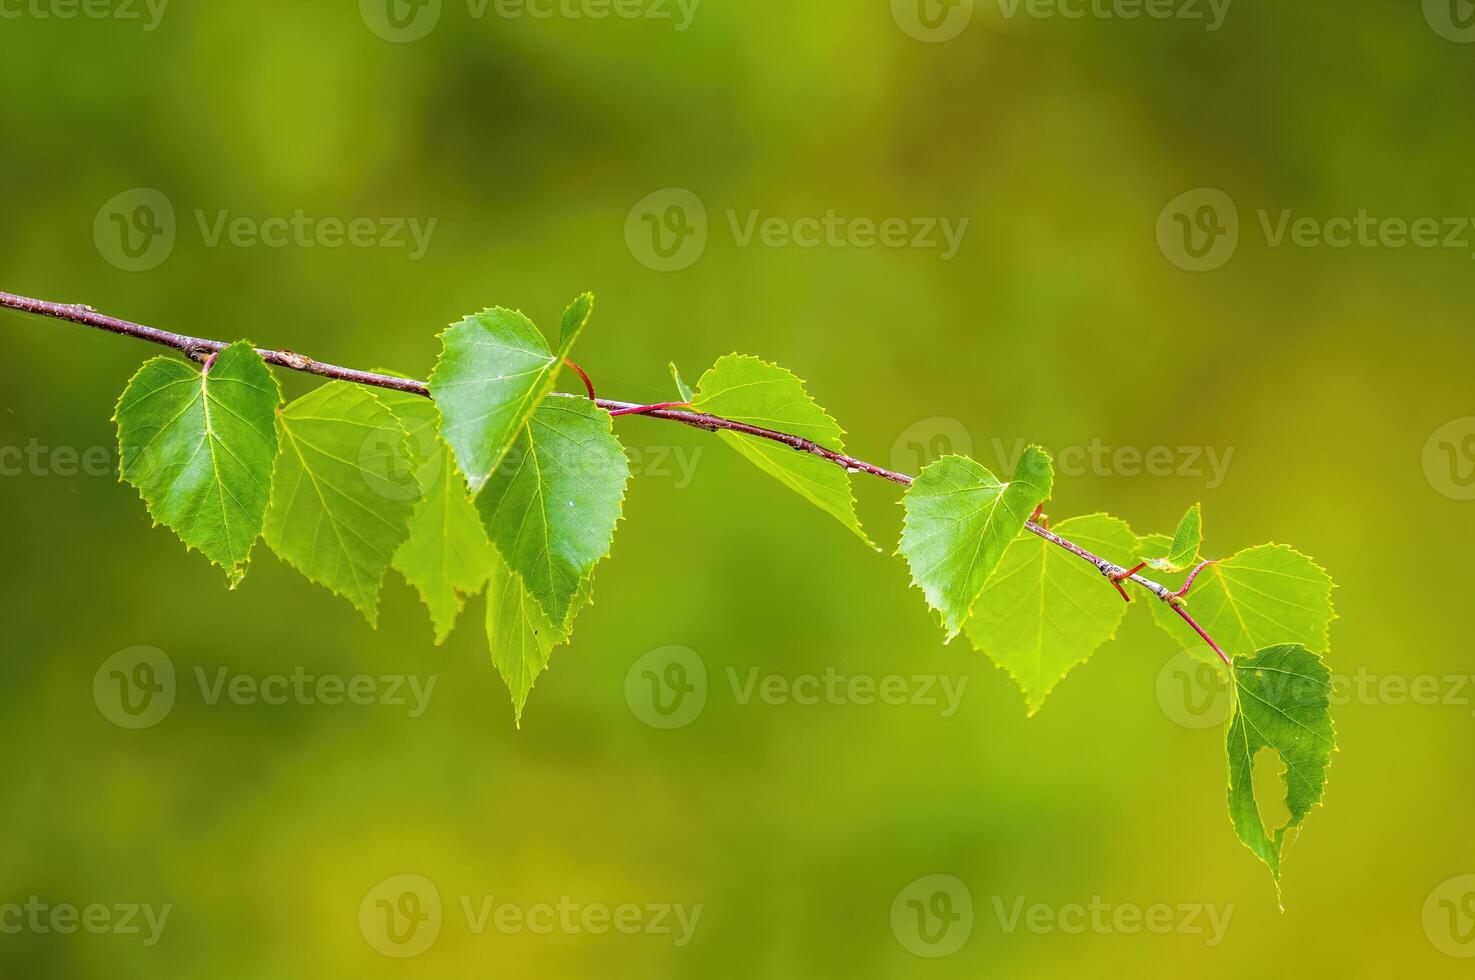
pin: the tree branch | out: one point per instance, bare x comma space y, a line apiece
200, 349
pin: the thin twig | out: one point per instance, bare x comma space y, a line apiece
200, 349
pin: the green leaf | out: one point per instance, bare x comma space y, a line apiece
447, 555
959, 521
343, 491
1184, 551
494, 370
1045, 610
1261, 597
1281, 704
757, 393
519, 633
552, 507
681, 386
198, 445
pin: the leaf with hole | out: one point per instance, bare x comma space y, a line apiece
1281, 704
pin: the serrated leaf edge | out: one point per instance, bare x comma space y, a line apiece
235, 574
1044, 695
695, 396
371, 612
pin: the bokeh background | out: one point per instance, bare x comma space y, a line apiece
1335, 379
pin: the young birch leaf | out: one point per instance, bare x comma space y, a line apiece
343, 492
519, 634
755, 392
1281, 704
682, 387
447, 555
1261, 597
959, 520
551, 508
1045, 611
1183, 553
494, 370
198, 444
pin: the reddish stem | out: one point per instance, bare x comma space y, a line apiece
1191, 576
588, 385
1200, 631
1128, 573
647, 409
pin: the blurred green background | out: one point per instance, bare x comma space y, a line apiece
1337, 377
